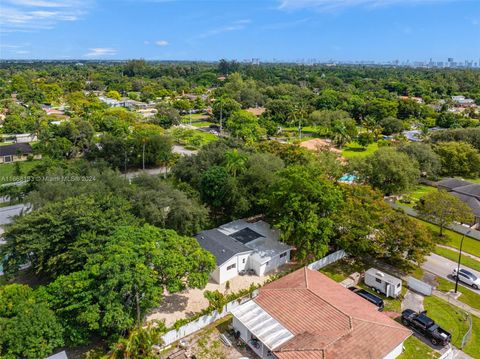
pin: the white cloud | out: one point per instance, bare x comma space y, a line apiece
100, 52
29, 15
161, 43
332, 5
234, 26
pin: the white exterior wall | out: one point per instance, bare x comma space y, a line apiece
245, 335
242, 262
221, 274
272, 264
395, 352
238, 325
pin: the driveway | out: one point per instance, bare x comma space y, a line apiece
443, 267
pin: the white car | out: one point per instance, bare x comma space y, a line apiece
467, 277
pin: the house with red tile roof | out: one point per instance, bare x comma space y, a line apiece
306, 315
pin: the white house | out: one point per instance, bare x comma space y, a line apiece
306, 315
242, 246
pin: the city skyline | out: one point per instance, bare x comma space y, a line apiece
341, 31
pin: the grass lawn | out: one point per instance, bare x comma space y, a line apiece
452, 319
201, 124
453, 256
353, 149
340, 270
415, 348
470, 245
312, 130
420, 191
473, 346
468, 297
6, 170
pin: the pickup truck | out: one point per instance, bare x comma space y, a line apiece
426, 326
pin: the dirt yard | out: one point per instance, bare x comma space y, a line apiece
188, 303
206, 344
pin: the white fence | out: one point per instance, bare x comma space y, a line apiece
419, 286
325, 261
207, 319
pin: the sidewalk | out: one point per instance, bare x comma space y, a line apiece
454, 227
457, 303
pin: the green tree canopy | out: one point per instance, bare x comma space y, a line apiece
388, 170
300, 205
126, 278
28, 328
444, 208
458, 159
244, 125
59, 237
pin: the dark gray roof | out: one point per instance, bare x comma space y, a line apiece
13, 149
472, 190
451, 183
223, 247
470, 201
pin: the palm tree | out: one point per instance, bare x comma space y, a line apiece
298, 115
235, 162
140, 343
340, 134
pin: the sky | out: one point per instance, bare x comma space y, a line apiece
281, 30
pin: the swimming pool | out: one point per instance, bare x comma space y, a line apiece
348, 178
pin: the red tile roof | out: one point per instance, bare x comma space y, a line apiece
328, 320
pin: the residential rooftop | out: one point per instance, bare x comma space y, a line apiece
325, 320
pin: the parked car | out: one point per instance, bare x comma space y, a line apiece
426, 326
467, 277
372, 298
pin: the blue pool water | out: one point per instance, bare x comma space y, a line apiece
348, 178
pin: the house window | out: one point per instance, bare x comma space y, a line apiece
283, 255
231, 266
378, 280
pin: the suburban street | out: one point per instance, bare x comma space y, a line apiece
443, 267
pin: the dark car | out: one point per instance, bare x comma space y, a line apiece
426, 326
372, 298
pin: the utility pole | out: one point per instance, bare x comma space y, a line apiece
221, 115
459, 258
125, 164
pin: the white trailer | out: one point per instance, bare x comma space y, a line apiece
384, 283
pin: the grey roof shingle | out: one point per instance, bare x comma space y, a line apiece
223, 247
472, 190
11, 150
452, 183
472, 202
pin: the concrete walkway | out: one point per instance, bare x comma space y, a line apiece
413, 301
454, 227
449, 298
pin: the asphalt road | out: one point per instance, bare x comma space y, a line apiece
444, 267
